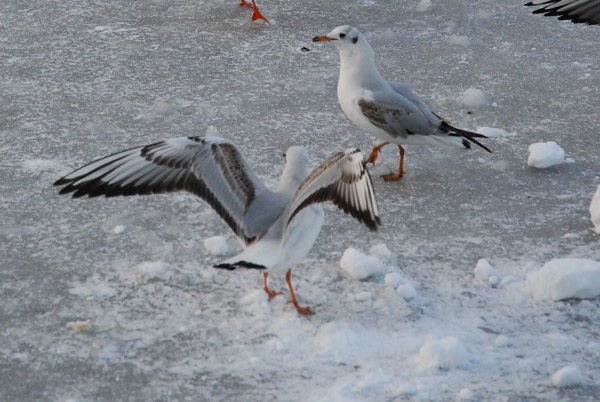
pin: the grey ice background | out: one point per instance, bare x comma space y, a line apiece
82, 79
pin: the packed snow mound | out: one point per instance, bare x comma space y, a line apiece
493, 132
474, 97
565, 278
485, 272
595, 210
361, 266
545, 154
446, 353
153, 270
217, 245
381, 252
568, 376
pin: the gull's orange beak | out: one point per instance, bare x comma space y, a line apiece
322, 38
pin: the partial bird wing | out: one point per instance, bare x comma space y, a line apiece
398, 111
344, 180
209, 167
578, 11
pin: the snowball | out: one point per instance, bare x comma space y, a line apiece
484, 270
459, 40
119, 229
393, 279
568, 376
407, 291
79, 326
473, 97
381, 252
423, 6
501, 341
444, 353
595, 210
545, 154
564, 278
216, 245
465, 394
360, 266
152, 271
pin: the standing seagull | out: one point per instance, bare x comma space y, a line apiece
279, 227
578, 11
386, 109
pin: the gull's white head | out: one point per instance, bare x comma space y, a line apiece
296, 168
348, 40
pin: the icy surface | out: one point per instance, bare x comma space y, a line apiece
565, 278
595, 210
83, 79
545, 154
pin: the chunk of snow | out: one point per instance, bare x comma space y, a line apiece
152, 271
393, 279
42, 165
545, 154
564, 278
473, 97
484, 270
364, 296
119, 229
446, 353
465, 394
423, 6
407, 389
501, 341
360, 266
217, 245
459, 40
595, 210
384, 254
568, 376
407, 291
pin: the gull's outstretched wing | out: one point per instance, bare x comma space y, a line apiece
344, 180
209, 167
578, 11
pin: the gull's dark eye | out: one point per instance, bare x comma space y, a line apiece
342, 35
284, 155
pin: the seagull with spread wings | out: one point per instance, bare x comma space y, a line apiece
578, 11
383, 108
278, 227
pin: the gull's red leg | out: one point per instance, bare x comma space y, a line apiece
396, 176
375, 152
256, 14
271, 293
301, 310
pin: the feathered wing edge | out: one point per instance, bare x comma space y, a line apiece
344, 180
578, 11
169, 166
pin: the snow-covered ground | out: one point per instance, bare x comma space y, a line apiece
115, 299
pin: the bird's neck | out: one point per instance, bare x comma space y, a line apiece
358, 69
292, 177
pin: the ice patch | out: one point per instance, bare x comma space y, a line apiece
493, 132
595, 210
153, 271
119, 229
568, 376
217, 245
407, 291
423, 6
446, 353
474, 97
361, 266
545, 154
93, 288
565, 278
501, 341
485, 272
